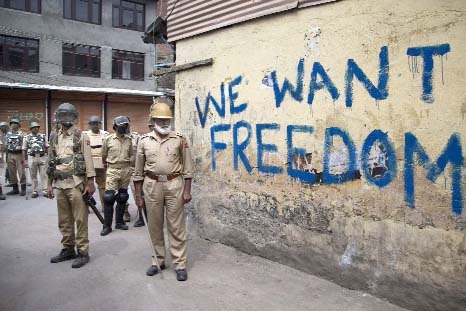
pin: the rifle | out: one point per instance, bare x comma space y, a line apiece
90, 202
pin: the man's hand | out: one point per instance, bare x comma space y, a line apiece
50, 192
187, 197
90, 188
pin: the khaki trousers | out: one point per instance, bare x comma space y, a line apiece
15, 168
167, 197
100, 176
38, 165
71, 210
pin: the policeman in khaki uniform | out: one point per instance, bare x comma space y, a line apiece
15, 161
96, 137
71, 172
34, 151
116, 154
164, 163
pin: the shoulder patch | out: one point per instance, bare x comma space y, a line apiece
179, 134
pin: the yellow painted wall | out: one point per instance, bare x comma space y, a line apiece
358, 229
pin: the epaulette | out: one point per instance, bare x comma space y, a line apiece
144, 136
179, 134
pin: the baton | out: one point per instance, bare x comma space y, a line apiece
90, 202
154, 254
26, 185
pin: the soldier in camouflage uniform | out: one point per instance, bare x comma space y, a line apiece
35, 147
15, 161
97, 136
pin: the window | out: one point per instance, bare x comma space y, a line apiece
22, 5
127, 65
128, 15
88, 11
81, 60
19, 54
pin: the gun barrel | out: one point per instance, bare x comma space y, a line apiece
90, 202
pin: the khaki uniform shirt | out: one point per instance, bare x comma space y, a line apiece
64, 149
97, 141
117, 150
170, 155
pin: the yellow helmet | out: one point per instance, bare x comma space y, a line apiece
160, 111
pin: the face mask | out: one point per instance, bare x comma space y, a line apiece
163, 130
121, 129
67, 125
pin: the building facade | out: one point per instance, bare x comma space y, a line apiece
87, 52
332, 138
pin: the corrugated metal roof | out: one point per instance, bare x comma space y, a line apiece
190, 18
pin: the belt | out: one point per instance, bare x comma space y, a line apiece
96, 146
15, 151
63, 176
118, 165
64, 160
37, 154
161, 178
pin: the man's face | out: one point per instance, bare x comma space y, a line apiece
35, 130
4, 129
14, 126
94, 126
162, 122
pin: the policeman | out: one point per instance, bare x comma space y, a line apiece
96, 136
15, 162
35, 149
164, 163
71, 172
116, 154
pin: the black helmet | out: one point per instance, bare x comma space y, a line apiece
66, 114
121, 122
94, 119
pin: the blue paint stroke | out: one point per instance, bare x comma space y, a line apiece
351, 169
234, 95
217, 146
378, 93
238, 149
318, 69
261, 148
220, 108
303, 176
296, 93
390, 173
427, 53
452, 153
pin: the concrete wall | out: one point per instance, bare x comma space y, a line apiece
375, 104
53, 30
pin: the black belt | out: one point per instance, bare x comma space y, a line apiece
15, 151
35, 154
96, 146
63, 176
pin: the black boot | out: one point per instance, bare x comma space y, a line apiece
108, 218
80, 261
23, 190
181, 275
119, 222
14, 191
65, 254
2, 196
140, 221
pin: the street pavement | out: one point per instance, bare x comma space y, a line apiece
220, 277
